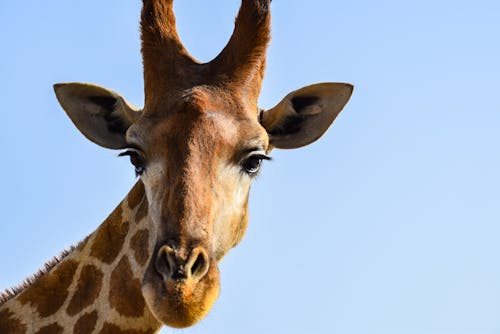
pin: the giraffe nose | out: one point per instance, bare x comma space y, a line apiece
172, 266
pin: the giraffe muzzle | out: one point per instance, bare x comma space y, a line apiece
181, 284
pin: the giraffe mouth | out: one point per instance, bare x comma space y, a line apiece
180, 296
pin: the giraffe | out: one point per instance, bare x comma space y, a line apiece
196, 145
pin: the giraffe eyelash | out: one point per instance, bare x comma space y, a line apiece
136, 159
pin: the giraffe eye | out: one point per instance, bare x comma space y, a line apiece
253, 163
136, 159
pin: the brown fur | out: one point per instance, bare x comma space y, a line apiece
139, 244
49, 292
9, 324
51, 329
142, 211
86, 323
52, 289
122, 279
135, 195
109, 237
87, 289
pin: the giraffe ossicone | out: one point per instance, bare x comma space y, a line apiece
196, 145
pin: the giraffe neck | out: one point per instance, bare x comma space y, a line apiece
96, 288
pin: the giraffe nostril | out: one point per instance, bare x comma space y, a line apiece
165, 262
198, 263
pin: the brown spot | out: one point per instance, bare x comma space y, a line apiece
9, 324
139, 244
50, 291
125, 294
113, 329
109, 237
142, 211
86, 324
87, 289
135, 195
51, 329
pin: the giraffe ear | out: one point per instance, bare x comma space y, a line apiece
102, 115
304, 115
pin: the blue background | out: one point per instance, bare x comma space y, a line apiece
388, 224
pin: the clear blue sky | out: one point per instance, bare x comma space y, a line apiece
389, 224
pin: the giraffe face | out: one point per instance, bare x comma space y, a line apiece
196, 158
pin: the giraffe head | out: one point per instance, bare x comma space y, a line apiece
196, 146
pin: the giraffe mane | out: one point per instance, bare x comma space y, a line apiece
14, 291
